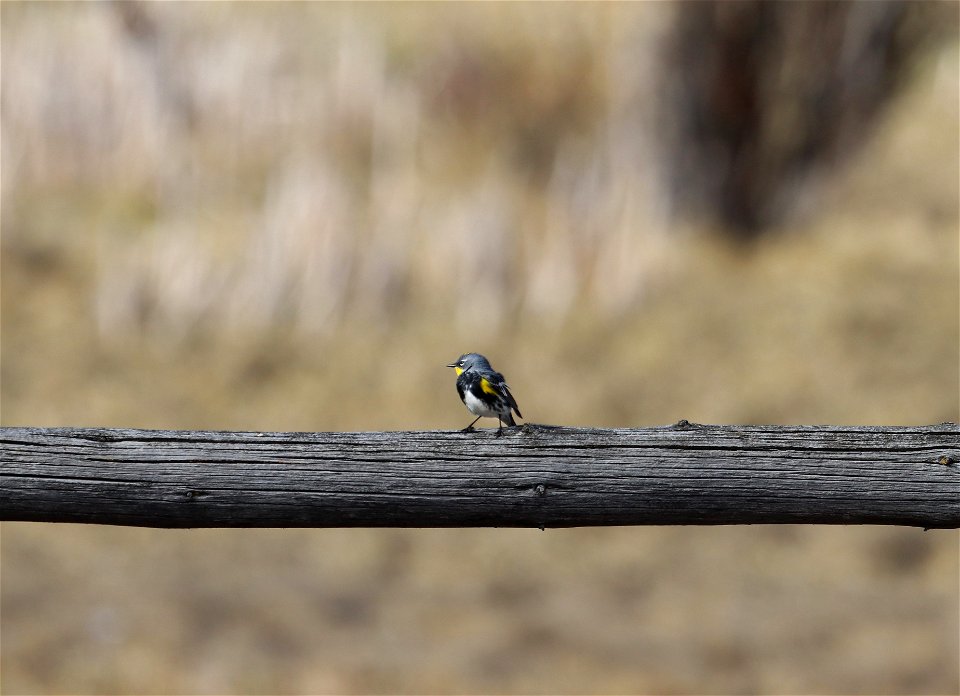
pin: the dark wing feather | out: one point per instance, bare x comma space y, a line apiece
500, 383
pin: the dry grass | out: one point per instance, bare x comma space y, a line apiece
242, 167
293, 255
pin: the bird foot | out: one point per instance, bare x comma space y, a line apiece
468, 429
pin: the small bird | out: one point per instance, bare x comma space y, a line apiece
484, 391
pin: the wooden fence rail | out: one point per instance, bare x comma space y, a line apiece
533, 476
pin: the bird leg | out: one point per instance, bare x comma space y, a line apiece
469, 428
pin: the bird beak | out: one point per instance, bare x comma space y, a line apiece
452, 365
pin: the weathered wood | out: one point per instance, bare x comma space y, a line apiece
533, 476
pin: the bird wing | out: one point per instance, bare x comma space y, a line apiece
500, 384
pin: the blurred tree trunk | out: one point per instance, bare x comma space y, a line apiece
757, 94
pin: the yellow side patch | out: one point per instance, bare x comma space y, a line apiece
486, 386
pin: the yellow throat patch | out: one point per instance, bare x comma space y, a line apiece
458, 370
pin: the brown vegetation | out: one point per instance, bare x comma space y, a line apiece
290, 217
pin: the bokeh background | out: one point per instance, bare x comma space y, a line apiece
290, 216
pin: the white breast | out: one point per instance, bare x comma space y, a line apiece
477, 407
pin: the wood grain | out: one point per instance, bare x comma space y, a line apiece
533, 476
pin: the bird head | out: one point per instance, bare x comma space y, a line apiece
469, 361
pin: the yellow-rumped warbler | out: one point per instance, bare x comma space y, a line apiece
484, 391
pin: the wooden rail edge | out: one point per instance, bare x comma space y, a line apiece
532, 476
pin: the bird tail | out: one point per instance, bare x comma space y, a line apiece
508, 419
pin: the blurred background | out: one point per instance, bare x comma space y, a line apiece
291, 216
